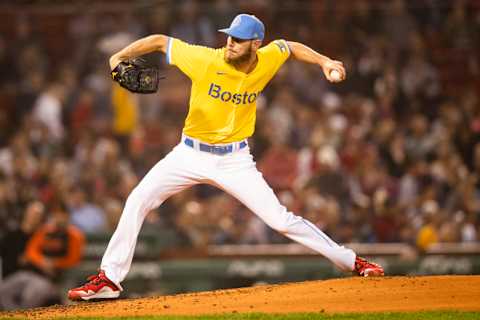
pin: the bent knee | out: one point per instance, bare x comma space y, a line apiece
284, 222
141, 198
135, 196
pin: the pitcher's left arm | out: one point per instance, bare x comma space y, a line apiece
306, 54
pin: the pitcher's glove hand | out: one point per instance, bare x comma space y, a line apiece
136, 76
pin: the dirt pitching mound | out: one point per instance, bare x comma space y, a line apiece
331, 296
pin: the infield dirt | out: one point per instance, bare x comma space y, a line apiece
425, 293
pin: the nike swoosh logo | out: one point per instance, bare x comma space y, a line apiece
220, 73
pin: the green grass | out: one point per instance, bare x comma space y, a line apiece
314, 316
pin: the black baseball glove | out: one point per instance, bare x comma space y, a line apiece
137, 76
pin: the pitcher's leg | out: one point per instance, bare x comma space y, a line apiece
166, 178
250, 188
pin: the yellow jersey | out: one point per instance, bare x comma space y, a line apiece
222, 106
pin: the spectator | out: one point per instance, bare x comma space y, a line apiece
53, 248
48, 110
429, 232
14, 242
279, 165
191, 25
85, 215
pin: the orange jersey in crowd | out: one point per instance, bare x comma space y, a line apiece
63, 246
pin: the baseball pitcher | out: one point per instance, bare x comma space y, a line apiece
213, 149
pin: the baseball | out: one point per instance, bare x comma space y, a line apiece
335, 75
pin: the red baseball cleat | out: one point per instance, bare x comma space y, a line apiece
367, 269
97, 287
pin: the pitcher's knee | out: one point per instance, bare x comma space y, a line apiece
139, 199
279, 227
283, 222
134, 197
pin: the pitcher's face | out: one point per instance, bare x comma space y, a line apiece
239, 50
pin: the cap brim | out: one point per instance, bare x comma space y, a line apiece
235, 33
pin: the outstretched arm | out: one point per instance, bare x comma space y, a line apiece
303, 53
142, 46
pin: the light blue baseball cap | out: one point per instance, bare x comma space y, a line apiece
246, 27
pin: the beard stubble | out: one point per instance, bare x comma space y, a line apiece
240, 59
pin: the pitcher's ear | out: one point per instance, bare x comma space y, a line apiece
257, 43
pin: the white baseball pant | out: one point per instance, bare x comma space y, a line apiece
236, 174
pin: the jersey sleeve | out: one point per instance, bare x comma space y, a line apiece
190, 59
33, 250
277, 52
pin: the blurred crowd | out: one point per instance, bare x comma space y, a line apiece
390, 155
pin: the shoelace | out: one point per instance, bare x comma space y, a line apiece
363, 263
360, 263
94, 279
